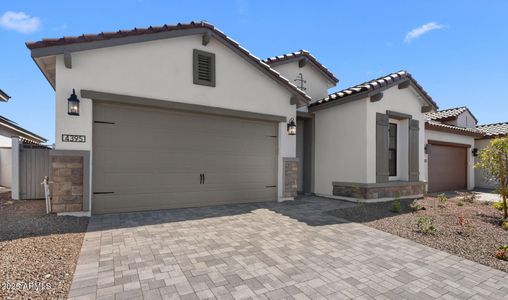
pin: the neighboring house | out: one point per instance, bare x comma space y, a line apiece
12, 137
490, 131
454, 139
183, 116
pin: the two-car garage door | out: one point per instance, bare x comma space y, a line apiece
148, 158
447, 167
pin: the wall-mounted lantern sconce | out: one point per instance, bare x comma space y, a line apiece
427, 149
475, 152
291, 127
73, 102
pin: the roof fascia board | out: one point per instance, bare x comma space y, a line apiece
60, 49
23, 132
370, 93
339, 102
181, 106
457, 131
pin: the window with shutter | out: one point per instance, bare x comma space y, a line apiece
204, 68
392, 149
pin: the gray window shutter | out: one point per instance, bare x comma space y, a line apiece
414, 143
382, 143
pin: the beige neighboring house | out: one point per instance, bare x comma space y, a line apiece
183, 116
12, 137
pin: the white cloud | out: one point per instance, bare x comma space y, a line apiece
419, 31
20, 22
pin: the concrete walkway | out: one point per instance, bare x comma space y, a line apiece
288, 250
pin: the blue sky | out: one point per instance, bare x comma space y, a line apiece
458, 50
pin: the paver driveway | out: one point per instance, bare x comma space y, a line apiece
268, 251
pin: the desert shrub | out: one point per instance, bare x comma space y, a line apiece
442, 198
426, 225
504, 225
395, 206
469, 197
498, 205
415, 206
460, 202
502, 253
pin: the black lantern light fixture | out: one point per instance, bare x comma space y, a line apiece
73, 104
475, 152
291, 127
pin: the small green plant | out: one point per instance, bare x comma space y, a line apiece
460, 202
426, 225
415, 206
442, 198
502, 252
498, 205
396, 206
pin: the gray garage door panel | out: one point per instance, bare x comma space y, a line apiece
151, 159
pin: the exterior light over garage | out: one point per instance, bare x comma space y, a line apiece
73, 104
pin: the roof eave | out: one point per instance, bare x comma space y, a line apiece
457, 131
38, 51
331, 78
23, 132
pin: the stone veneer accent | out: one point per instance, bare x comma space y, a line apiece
372, 191
67, 177
290, 177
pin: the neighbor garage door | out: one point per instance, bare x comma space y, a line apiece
447, 168
148, 159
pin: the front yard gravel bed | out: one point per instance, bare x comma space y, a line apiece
477, 239
37, 249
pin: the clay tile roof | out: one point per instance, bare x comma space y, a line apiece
491, 130
86, 38
447, 114
298, 54
434, 125
373, 85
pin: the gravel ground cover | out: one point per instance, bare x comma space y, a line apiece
469, 230
38, 252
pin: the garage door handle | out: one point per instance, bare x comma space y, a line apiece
203, 178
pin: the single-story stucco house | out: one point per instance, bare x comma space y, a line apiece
183, 116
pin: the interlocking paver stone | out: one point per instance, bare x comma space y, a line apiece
292, 250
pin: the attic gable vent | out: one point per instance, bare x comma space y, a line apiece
204, 68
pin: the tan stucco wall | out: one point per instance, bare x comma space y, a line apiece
458, 139
340, 145
162, 70
316, 86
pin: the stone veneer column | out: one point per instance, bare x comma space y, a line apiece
67, 177
290, 177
